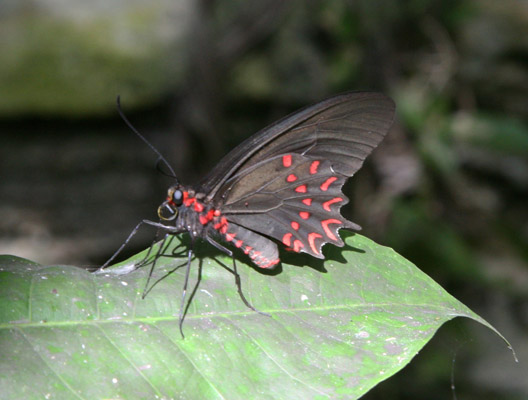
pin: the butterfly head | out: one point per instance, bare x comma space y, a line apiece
168, 210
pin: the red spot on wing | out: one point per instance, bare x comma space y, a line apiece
286, 239
297, 245
269, 264
308, 201
326, 184
239, 243
216, 213
327, 230
327, 204
247, 249
295, 225
198, 207
304, 214
311, 240
301, 189
287, 160
291, 178
313, 167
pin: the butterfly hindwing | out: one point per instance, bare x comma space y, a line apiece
298, 204
343, 129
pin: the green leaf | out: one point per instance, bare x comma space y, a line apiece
336, 328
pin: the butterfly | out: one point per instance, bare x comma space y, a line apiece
283, 185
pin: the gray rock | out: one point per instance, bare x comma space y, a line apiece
74, 57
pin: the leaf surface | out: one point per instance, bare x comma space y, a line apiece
337, 328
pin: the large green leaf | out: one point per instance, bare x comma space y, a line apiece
336, 328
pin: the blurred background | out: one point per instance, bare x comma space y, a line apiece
447, 189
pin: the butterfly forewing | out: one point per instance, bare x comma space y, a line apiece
343, 129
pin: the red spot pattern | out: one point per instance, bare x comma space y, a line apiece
291, 178
327, 230
295, 225
301, 189
326, 184
262, 261
313, 167
287, 160
327, 204
311, 240
286, 239
308, 201
297, 245
304, 214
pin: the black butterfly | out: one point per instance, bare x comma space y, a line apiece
281, 184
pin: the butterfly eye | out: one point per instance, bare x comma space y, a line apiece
177, 198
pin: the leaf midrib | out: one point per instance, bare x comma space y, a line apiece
217, 315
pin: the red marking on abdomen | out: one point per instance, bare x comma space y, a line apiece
291, 178
304, 214
311, 240
287, 160
221, 226
301, 189
327, 204
189, 201
327, 230
295, 225
286, 239
230, 236
313, 167
205, 219
297, 245
308, 201
324, 186
198, 207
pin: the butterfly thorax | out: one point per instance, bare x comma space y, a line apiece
191, 212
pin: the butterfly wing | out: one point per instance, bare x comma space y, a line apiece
285, 181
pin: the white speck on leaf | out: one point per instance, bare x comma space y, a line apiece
362, 335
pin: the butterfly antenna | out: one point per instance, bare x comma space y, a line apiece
160, 156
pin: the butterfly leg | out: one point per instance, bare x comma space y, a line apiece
236, 274
166, 228
184, 291
168, 240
